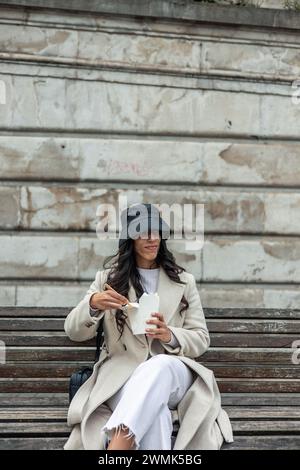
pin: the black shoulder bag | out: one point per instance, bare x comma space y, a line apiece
80, 376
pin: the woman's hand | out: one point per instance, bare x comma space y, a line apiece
108, 299
161, 332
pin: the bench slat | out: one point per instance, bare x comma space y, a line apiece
251, 442
239, 427
241, 340
237, 399
65, 369
241, 442
235, 413
214, 325
232, 385
48, 312
258, 355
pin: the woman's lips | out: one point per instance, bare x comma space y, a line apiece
151, 248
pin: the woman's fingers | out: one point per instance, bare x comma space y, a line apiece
115, 293
112, 302
112, 305
107, 304
156, 332
156, 322
116, 296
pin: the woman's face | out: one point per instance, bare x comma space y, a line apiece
146, 246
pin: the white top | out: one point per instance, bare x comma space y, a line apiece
149, 279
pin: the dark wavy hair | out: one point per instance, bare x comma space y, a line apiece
123, 268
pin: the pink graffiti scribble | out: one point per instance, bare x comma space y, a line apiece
119, 166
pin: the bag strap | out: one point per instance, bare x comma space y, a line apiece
99, 338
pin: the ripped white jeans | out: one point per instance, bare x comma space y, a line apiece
144, 402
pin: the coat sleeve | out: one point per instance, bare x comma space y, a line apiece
193, 336
79, 324
173, 341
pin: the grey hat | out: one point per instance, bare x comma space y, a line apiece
140, 218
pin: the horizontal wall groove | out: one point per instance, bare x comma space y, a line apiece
92, 234
232, 138
224, 79
101, 134
115, 184
222, 233
56, 281
79, 281
90, 65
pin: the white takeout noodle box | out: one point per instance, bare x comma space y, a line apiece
141, 312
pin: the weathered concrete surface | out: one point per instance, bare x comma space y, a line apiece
161, 111
235, 259
223, 258
43, 42
120, 50
68, 256
67, 294
136, 159
226, 210
185, 10
69, 105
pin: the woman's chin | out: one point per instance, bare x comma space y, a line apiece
150, 256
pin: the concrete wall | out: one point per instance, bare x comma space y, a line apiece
167, 108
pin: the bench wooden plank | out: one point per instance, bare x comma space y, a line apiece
253, 340
44, 413
16, 399
61, 428
258, 385
276, 442
239, 427
258, 355
31, 324
217, 325
32, 443
236, 399
33, 414
34, 312
261, 399
65, 369
50, 354
34, 428
40, 369
253, 326
83, 353
232, 385
57, 385
251, 313
256, 371
40, 338
241, 340
248, 442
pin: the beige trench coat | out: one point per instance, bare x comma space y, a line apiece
204, 424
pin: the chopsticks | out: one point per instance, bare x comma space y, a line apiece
127, 306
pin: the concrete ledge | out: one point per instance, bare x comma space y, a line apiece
182, 10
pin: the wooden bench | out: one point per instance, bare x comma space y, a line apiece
250, 353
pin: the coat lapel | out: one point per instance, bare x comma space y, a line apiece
169, 292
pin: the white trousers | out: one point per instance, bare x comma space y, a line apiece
144, 402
